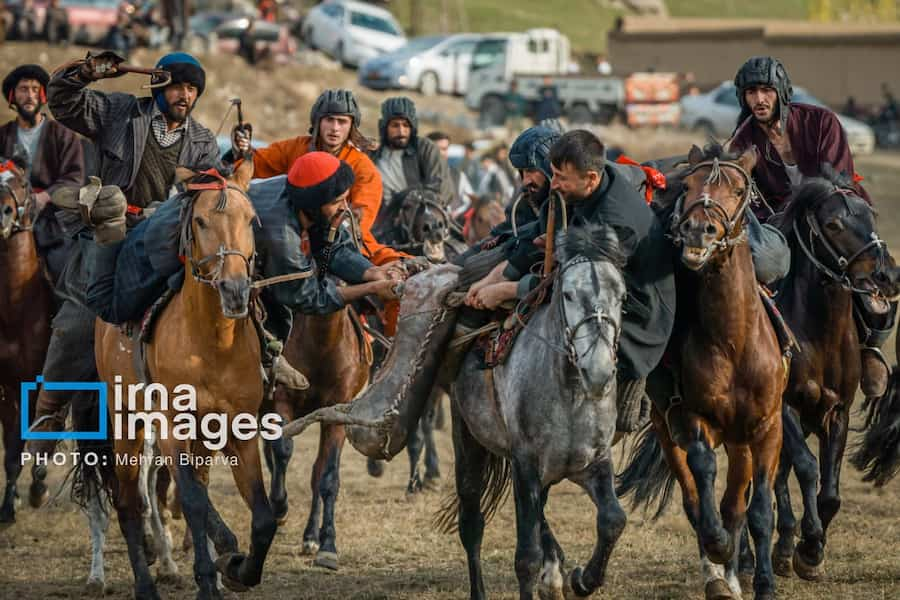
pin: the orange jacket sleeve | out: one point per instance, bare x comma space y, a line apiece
277, 158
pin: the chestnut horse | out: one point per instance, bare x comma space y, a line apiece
725, 382
834, 251
205, 339
26, 307
329, 349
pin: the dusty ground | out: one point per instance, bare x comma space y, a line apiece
388, 548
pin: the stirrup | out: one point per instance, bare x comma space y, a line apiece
878, 354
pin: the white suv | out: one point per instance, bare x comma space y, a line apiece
351, 32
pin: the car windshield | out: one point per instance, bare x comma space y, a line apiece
108, 4
372, 22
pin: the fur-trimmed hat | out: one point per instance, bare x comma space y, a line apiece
21, 72
183, 68
317, 178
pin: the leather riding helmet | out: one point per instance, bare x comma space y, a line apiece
333, 102
767, 71
531, 150
400, 107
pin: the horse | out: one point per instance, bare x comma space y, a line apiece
485, 214
725, 385
416, 222
332, 352
835, 251
547, 414
26, 308
203, 339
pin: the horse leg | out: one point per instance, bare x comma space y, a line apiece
610, 524
828, 502
168, 570
240, 571
714, 539
471, 464
144, 486
129, 507
278, 456
98, 523
414, 450
552, 580
13, 445
527, 493
734, 507
432, 466
810, 550
765, 454
328, 467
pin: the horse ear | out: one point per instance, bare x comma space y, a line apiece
748, 159
243, 174
695, 156
183, 174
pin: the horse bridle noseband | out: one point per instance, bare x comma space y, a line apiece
406, 224
187, 234
730, 223
841, 277
21, 208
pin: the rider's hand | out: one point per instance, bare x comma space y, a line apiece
387, 289
101, 66
492, 296
415, 265
240, 141
388, 272
781, 142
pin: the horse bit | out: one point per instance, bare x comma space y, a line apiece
20, 209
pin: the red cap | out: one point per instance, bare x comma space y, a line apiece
312, 168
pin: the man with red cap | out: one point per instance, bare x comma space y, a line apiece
51, 153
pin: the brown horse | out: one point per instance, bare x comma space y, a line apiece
725, 381
331, 351
487, 213
26, 307
203, 339
834, 251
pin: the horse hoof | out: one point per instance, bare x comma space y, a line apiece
432, 483
782, 565
310, 547
717, 589
807, 571
552, 582
764, 596
94, 588
375, 467
169, 579
38, 494
7, 515
327, 560
745, 579
569, 585
230, 561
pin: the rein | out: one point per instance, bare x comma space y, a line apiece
713, 209
6, 174
841, 277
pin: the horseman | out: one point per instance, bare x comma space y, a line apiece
406, 160
139, 143
53, 154
794, 141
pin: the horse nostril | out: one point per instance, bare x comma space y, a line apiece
685, 227
7, 211
710, 229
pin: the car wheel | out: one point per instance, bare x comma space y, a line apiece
581, 115
308, 38
428, 84
339, 55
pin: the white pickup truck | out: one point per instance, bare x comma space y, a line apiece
534, 59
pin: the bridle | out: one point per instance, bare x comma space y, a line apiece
187, 233
840, 276
406, 219
21, 208
714, 210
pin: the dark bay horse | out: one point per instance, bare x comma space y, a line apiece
835, 251
332, 352
205, 339
26, 308
725, 382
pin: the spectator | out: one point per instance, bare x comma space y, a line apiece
24, 22
247, 47
469, 164
603, 66
462, 187
494, 180
56, 24
851, 109
268, 10
501, 157
516, 106
548, 106
120, 37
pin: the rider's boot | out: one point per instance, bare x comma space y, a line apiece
875, 372
631, 403
50, 413
276, 367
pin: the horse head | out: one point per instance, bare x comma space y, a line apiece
14, 197
217, 235
422, 220
716, 189
487, 213
835, 229
589, 292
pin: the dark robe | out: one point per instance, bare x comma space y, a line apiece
816, 137
59, 159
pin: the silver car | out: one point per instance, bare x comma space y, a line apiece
431, 64
351, 32
716, 113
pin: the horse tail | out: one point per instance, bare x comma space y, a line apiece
496, 478
877, 455
647, 476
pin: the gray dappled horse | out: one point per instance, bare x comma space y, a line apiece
547, 414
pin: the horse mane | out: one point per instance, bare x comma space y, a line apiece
675, 181
810, 195
594, 242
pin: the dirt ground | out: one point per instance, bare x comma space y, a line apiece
389, 550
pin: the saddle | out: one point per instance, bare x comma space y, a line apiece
365, 342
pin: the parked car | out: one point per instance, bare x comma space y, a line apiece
91, 19
351, 32
203, 25
271, 39
716, 113
432, 64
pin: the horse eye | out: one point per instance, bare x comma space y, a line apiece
739, 192
200, 222
834, 225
